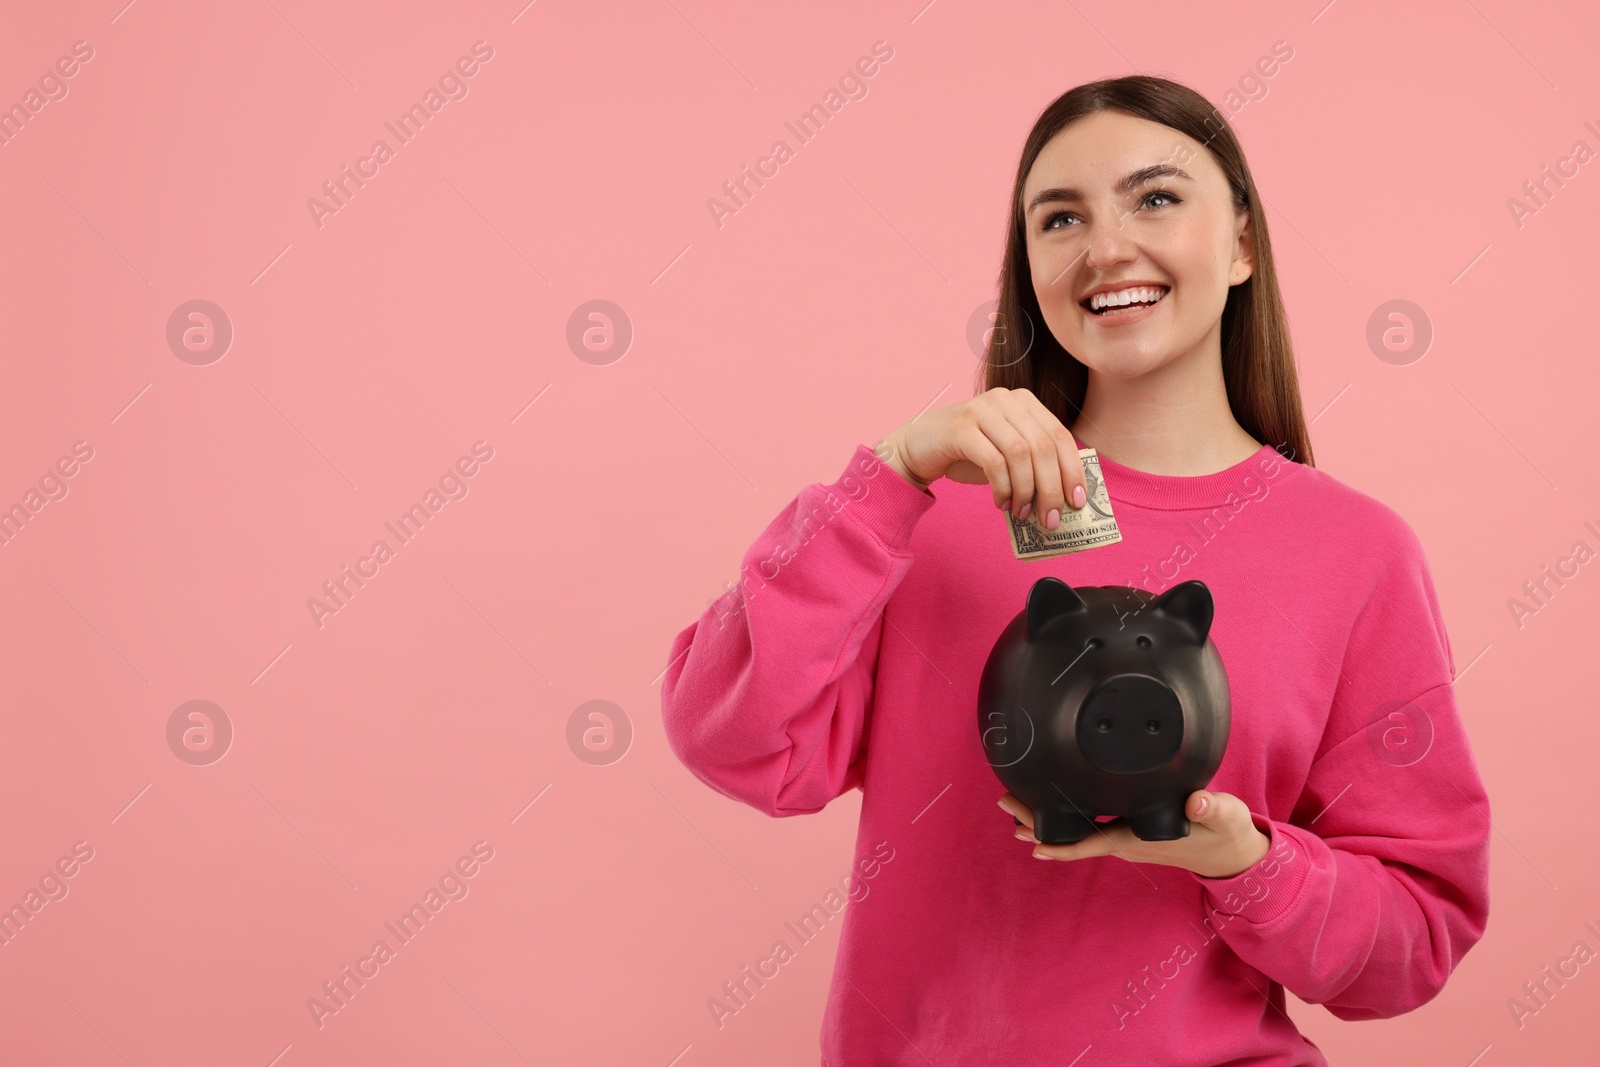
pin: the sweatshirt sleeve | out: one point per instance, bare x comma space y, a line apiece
767, 697
1377, 884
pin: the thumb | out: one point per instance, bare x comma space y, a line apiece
966, 472
1205, 808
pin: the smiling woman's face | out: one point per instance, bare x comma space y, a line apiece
1175, 234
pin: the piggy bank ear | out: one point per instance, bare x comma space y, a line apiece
1190, 603
1048, 599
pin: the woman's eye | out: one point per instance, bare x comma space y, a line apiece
1148, 201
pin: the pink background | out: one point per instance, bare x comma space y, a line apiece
371, 752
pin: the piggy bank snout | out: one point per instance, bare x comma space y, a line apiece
1129, 724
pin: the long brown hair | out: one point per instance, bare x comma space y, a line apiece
1257, 356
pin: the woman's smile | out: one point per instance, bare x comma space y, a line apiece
1125, 305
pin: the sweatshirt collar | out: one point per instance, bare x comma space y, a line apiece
1172, 492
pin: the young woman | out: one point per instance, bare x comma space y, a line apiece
1342, 849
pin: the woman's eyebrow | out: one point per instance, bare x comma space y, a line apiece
1126, 185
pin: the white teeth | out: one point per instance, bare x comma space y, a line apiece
1142, 294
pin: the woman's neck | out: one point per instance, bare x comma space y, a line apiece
1174, 420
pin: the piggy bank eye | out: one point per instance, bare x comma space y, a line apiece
1144, 642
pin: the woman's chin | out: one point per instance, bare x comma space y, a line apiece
1122, 364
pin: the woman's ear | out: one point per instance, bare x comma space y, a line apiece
1244, 250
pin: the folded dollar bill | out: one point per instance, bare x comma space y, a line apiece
1090, 528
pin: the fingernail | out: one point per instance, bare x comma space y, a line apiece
1078, 497
1005, 505
1027, 509
1204, 804
1023, 835
1002, 805
1052, 520
1042, 856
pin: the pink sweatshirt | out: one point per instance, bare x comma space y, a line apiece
849, 655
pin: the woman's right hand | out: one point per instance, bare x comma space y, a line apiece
1005, 437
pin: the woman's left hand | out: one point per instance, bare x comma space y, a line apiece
1222, 841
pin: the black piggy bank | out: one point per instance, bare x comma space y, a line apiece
1105, 700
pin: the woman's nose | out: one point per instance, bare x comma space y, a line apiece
1109, 243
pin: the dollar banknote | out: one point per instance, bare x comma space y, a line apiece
1090, 528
